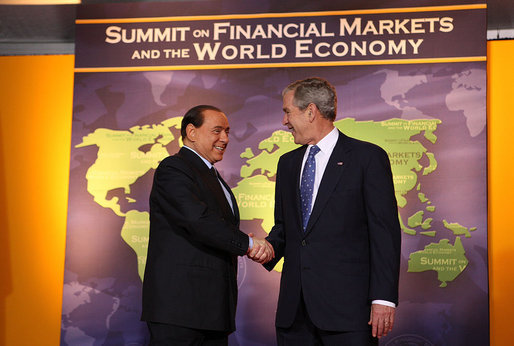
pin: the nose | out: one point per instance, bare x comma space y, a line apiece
224, 137
285, 120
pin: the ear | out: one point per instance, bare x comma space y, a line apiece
191, 132
311, 109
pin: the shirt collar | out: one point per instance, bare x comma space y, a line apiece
209, 165
327, 143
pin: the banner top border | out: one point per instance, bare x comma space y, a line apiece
275, 65
282, 15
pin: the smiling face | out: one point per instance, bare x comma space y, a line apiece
296, 120
210, 139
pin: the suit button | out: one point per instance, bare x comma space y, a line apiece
304, 242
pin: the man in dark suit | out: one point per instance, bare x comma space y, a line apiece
190, 281
336, 226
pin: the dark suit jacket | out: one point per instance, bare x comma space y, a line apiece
191, 270
349, 254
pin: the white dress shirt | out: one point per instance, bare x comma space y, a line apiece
326, 146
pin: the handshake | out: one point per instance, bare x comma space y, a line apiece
262, 251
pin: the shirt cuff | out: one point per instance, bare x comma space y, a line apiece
383, 302
250, 243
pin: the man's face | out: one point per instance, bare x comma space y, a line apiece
211, 139
295, 119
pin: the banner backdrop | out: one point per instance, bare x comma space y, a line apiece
410, 79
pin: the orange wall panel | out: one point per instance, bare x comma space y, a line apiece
500, 73
35, 134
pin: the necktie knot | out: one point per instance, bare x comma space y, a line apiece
214, 172
314, 150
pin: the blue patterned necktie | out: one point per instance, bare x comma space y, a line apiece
307, 184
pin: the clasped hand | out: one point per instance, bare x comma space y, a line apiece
262, 251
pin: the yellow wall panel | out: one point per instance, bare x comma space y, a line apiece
36, 95
500, 75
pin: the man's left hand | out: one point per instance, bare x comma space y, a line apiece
381, 320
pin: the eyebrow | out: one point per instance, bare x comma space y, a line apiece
221, 128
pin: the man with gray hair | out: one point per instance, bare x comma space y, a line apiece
336, 226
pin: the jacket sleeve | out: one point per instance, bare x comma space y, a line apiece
384, 228
181, 198
277, 235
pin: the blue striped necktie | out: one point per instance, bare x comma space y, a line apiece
307, 184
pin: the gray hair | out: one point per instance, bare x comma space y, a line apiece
314, 90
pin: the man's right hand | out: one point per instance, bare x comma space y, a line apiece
262, 251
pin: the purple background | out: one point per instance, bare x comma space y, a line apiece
97, 257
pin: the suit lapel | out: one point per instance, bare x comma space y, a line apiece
333, 172
211, 181
235, 214
297, 167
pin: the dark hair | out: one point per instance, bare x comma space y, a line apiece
314, 90
195, 116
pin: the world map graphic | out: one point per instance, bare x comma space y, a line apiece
121, 161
